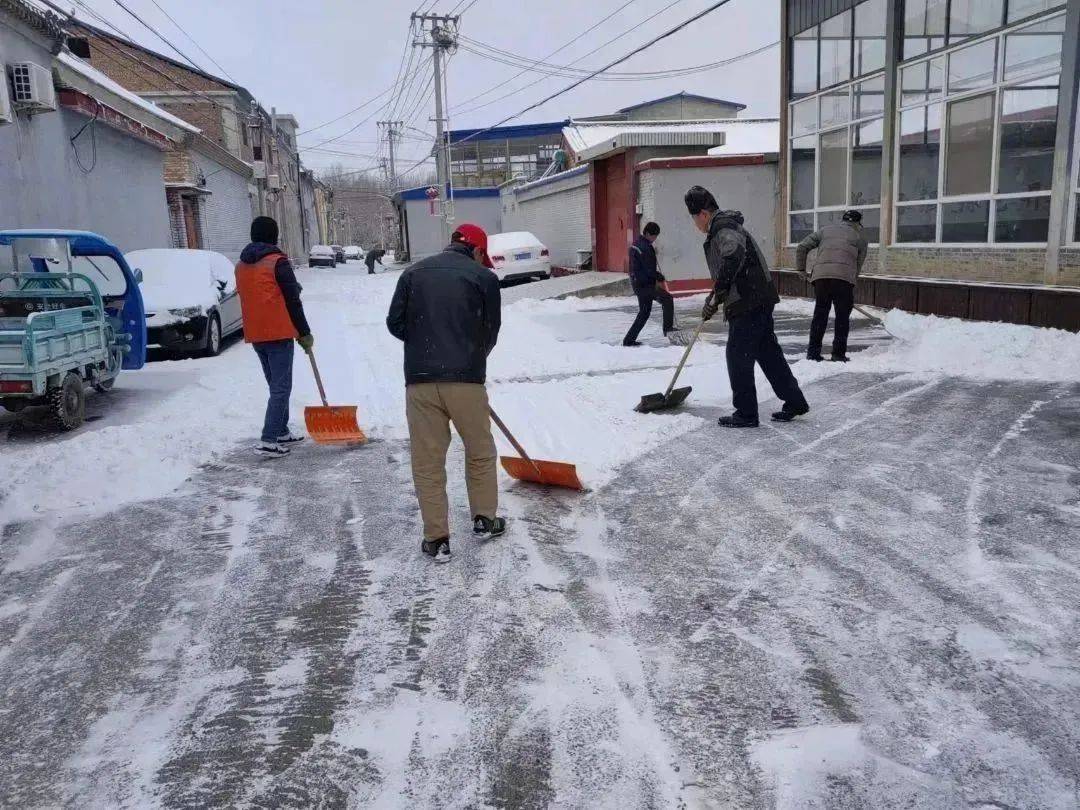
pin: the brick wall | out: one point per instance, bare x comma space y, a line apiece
557, 212
122, 63
177, 231
1070, 267
177, 166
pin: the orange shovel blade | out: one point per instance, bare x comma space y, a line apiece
551, 473
333, 424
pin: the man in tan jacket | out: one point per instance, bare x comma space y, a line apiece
841, 251
446, 309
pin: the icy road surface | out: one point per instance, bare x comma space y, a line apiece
875, 607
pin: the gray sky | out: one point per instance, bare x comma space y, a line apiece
319, 58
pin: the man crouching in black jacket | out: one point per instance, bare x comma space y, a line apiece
743, 287
446, 309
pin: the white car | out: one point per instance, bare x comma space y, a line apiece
518, 257
190, 299
353, 252
321, 256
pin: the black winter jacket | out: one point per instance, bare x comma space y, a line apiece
644, 270
740, 272
447, 310
286, 279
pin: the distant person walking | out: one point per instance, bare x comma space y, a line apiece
841, 251
743, 287
374, 255
645, 278
273, 318
447, 310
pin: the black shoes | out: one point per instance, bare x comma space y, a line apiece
630, 343
737, 421
439, 550
789, 413
487, 528
840, 358
815, 356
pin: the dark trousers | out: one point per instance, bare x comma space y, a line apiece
645, 300
829, 293
370, 267
276, 357
752, 339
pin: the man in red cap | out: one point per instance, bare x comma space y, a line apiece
446, 309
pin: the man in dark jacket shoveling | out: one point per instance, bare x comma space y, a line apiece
841, 251
645, 278
446, 309
743, 287
273, 318
374, 255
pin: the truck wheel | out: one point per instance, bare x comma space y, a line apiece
67, 403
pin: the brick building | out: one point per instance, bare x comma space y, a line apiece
243, 163
952, 126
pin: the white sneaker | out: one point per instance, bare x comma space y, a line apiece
290, 438
271, 450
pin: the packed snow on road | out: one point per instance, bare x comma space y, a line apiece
875, 606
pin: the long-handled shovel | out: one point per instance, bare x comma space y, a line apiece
552, 473
673, 397
331, 424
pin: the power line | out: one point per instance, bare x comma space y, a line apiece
192, 39
159, 35
670, 32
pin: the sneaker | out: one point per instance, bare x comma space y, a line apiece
840, 358
271, 450
736, 421
631, 343
788, 413
290, 438
815, 356
438, 550
485, 528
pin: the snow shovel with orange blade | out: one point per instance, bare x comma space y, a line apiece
331, 424
551, 473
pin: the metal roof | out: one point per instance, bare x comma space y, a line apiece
683, 94
729, 136
420, 193
507, 133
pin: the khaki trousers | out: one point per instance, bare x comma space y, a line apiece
430, 408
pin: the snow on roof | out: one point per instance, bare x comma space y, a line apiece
683, 95
95, 76
741, 135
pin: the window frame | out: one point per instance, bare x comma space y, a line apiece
947, 36
997, 88
1072, 237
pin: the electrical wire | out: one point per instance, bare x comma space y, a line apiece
159, 35
181, 29
92, 125
659, 38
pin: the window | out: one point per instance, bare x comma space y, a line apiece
832, 183
870, 97
835, 108
804, 62
1022, 9
968, 18
802, 225
804, 117
835, 64
975, 158
870, 36
970, 134
924, 26
866, 163
1034, 49
803, 165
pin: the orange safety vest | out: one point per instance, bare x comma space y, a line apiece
261, 302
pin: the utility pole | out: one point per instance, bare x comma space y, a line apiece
443, 37
393, 132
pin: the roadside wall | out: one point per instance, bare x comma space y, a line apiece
226, 211
746, 184
556, 210
425, 231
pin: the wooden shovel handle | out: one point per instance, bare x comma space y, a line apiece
510, 436
685, 355
318, 377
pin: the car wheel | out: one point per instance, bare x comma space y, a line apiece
213, 336
67, 403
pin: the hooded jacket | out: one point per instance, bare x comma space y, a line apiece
739, 270
286, 281
841, 251
447, 310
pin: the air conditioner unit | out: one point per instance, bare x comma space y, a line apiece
273, 182
6, 113
33, 85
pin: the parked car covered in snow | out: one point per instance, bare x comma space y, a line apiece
354, 252
321, 256
517, 257
71, 317
191, 299
339, 253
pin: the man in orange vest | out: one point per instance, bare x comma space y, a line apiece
273, 319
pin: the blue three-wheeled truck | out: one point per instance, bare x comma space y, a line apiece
71, 317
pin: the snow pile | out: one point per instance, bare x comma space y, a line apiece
986, 351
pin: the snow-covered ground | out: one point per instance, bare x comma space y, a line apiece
873, 607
